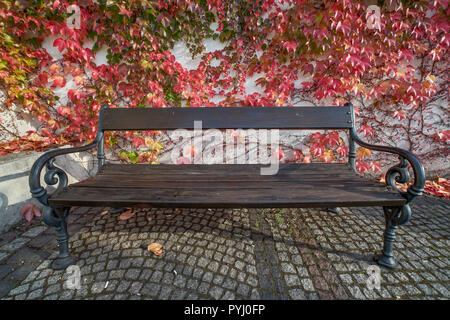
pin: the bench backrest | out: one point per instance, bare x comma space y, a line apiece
228, 118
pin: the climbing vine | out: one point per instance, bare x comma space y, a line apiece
304, 51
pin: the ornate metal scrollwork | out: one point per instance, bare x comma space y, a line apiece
52, 172
57, 216
55, 175
398, 173
394, 216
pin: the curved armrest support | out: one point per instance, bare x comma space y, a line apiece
399, 173
47, 159
54, 174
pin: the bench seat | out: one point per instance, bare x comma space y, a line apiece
314, 185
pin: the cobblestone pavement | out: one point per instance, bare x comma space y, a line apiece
232, 254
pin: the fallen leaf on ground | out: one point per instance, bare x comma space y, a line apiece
149, 219
127, 214
29, 211
104, 212
156, 248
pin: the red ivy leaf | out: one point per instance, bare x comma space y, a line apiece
64, 110
332, 138
29, 211
362, 166
342, 150
290, 45
125, 12
317, 149
366, 129
55, 68
60, 44
400, 115
58, 81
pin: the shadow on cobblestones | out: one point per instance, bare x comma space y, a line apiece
232, 254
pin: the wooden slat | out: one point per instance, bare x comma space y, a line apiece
302, 196
223, 169
228, 118
205, 184
187, 174
296, 185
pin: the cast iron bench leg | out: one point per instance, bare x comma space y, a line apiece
57, 218
394, 216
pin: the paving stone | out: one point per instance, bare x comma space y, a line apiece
132, 274
151, 289
69, 294
307, 284
346, 279
37, 284
192, 284
26, 255
165, 292
19, 290
21, 271
426, 289
442, 290
116, 274
254, 295
35, 231
218, 279
14, 245
252, 281
3, 255
225, 254
20, 297
203, 288
229, 295
229, 284
123, 286
288, 268
297, 294
135, 288
101, 276
180, 281
36, 294
216, 292
292, 280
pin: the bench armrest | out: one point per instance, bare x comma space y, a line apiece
399, 173
54, 174
47, 159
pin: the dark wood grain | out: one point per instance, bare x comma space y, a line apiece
228, 118
307, 196
227, 185
295, 185
293, 168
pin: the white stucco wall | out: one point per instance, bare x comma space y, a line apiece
13, 168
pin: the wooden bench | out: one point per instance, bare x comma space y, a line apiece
313, 185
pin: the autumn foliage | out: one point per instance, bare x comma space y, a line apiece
303, 51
